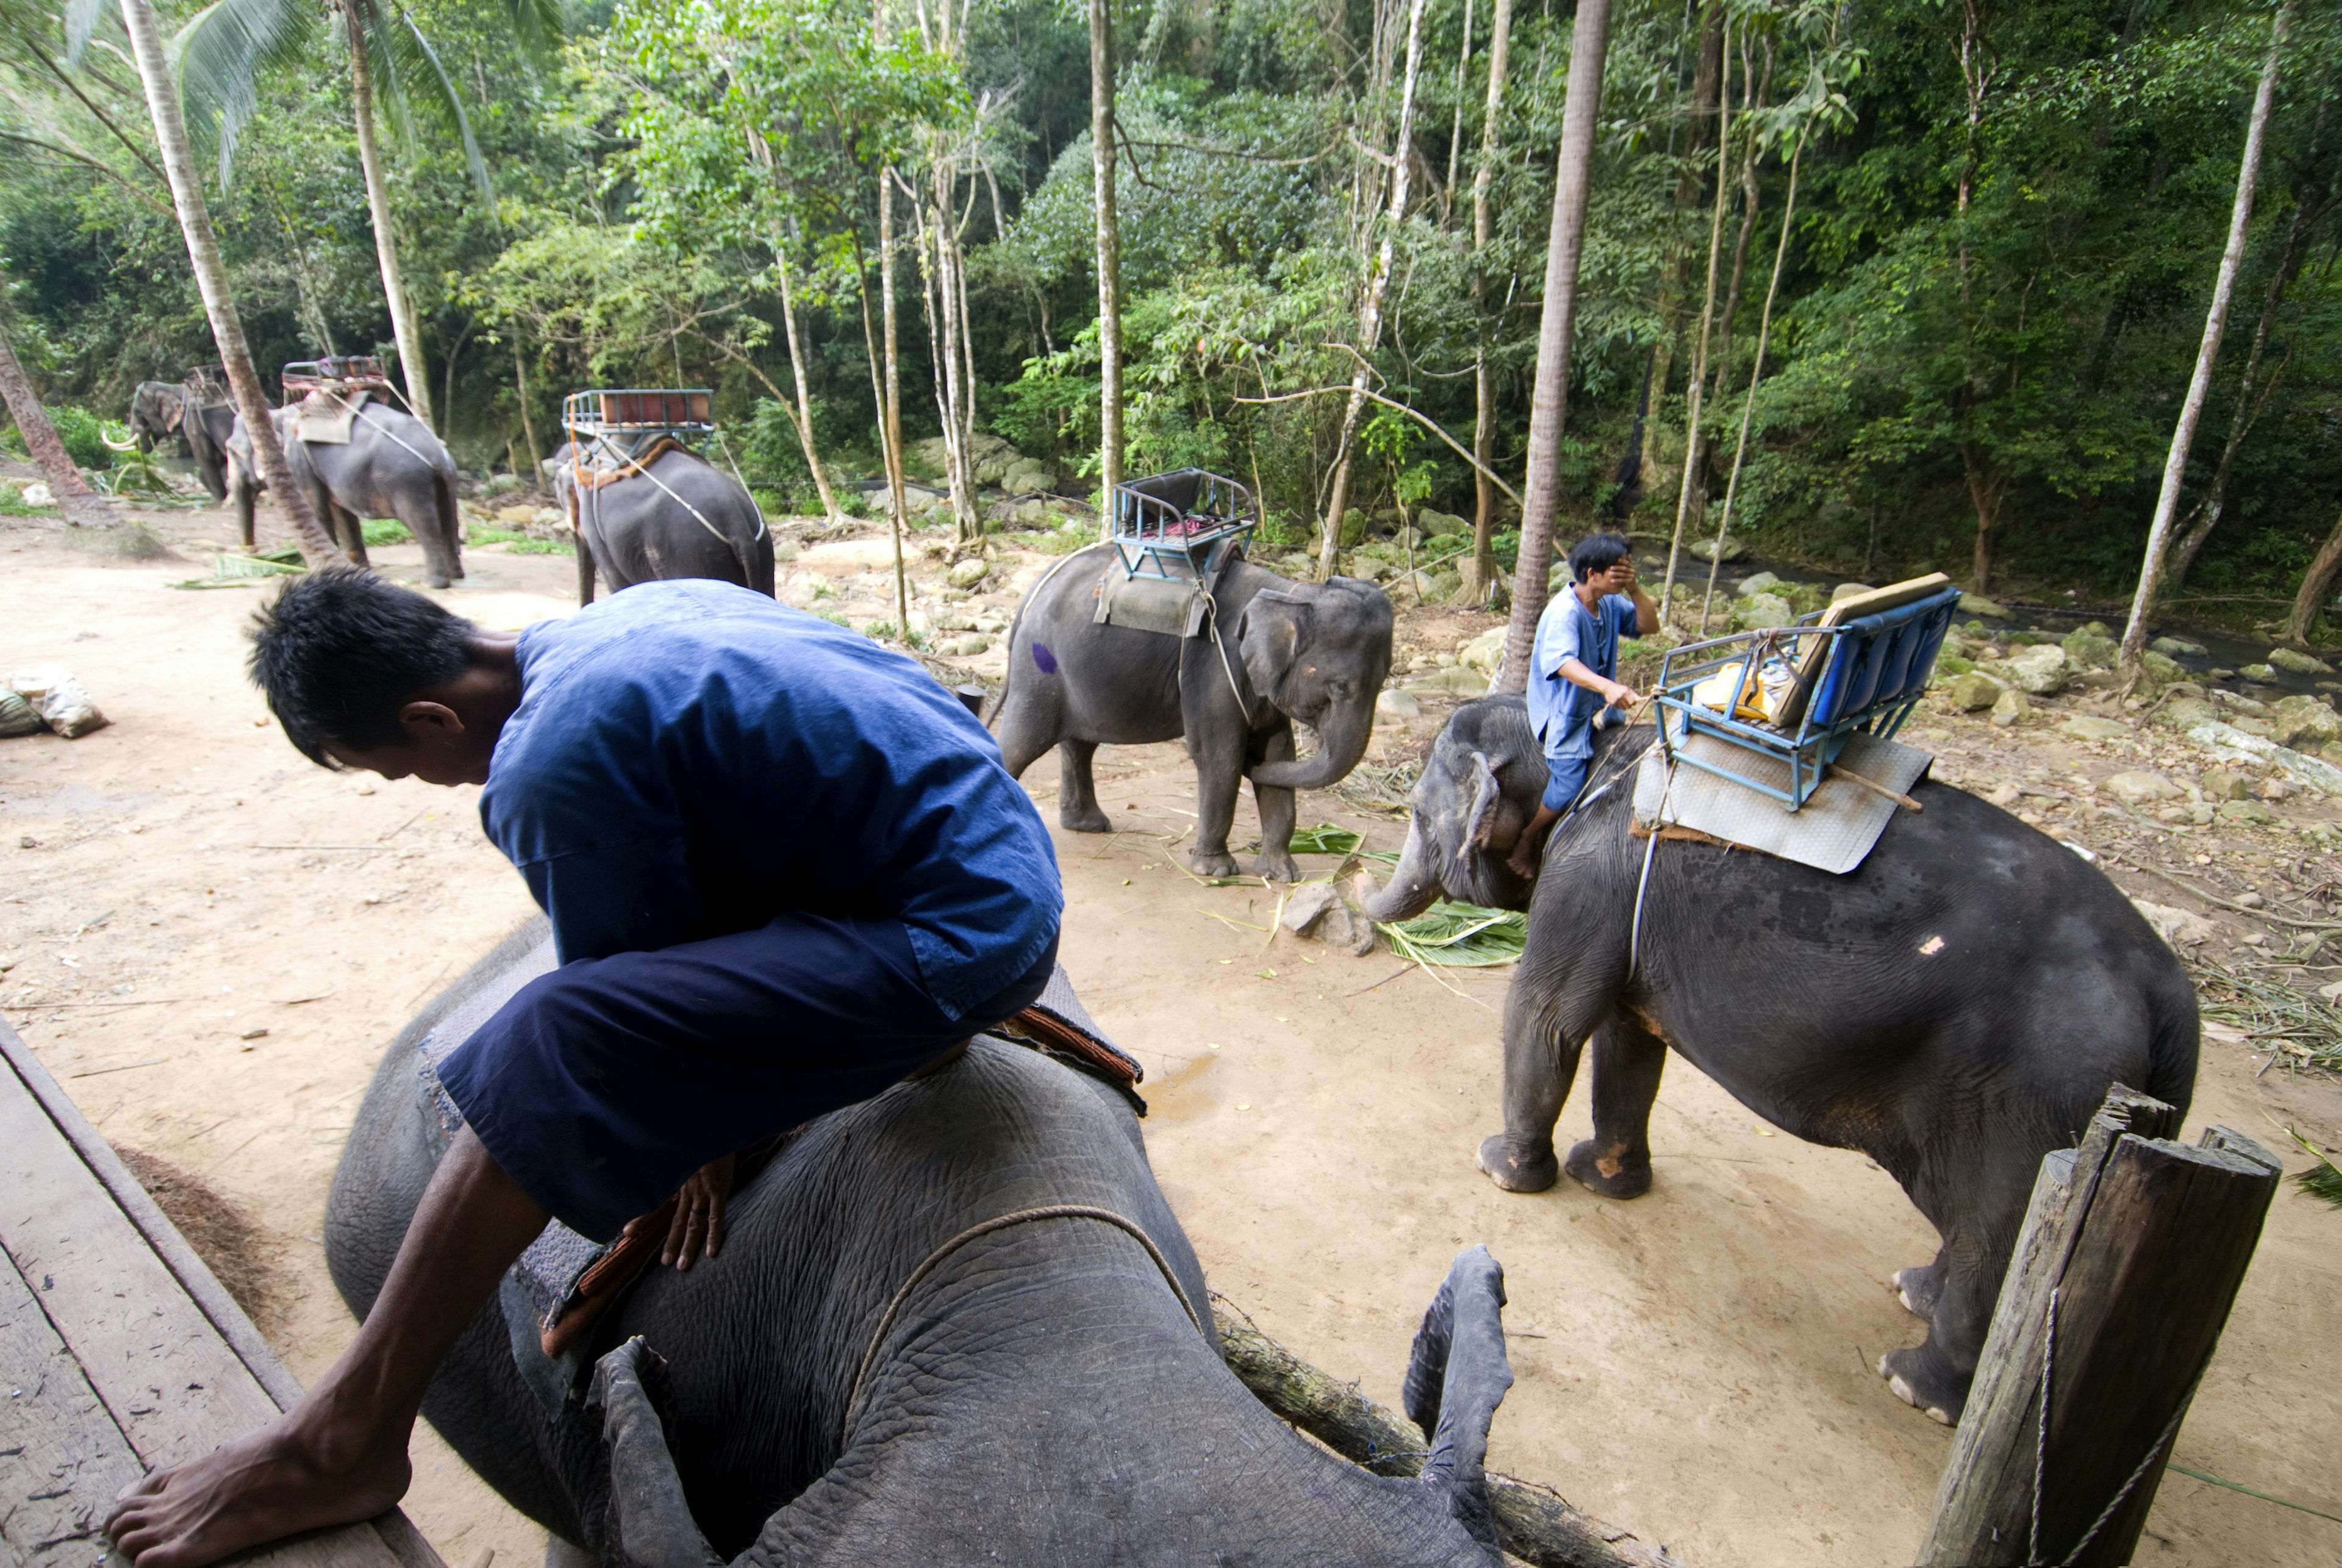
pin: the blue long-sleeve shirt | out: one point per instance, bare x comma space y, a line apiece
690, 759
1564, 714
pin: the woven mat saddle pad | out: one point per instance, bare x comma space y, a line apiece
554, 1293
324, 417
1832, 832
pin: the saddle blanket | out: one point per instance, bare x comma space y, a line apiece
607, 462
1834, 831
324, 417
552, 1294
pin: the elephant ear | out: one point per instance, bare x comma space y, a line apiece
1487, 794
1270, 634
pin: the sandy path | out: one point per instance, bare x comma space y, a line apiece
1693, 1365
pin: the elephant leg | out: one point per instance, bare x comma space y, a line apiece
1077, 806
585, 570
1219, 770
244, 511
351, 526
1627, 1061
1276, 805
1978, 1219
1547, 1021
1919, 1289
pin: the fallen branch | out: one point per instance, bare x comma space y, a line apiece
2210, 897
1420, 418
1533, 1523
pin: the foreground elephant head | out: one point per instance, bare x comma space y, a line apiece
875, 1370
1320, 652
1479, 789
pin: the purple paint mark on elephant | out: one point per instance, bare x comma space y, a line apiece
1044, 660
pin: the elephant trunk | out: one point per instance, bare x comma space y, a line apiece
1341, 742
1413, 887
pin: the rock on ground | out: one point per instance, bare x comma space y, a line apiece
1317, 913
2141, 788
1398, 704
2041, 671
2177, 927
1978, 604
1483, 652
2303, 723
2010, 708
2299, 663
1974, 691
2082, 727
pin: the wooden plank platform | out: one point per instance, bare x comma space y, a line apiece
119, 1352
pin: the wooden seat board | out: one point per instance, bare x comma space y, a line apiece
171, 1367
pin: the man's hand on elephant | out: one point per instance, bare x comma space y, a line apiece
697, 1229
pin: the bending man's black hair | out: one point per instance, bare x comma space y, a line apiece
1598, 552
340, 651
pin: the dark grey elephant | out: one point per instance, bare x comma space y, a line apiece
1956, 1007
209, 426
158, 412
1042, 1396
391, 466
1276, 653
680, 518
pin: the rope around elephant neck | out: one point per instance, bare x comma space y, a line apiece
1211, 605
1650, 848
984, 1228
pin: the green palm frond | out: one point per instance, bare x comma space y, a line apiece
221, 55
411, 85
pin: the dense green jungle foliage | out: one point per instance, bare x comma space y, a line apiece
2007, 220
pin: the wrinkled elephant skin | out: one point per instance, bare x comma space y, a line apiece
679, 518
1956, 1007
391, 466
1274, 654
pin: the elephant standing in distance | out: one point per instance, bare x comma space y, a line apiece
679, 518
158, 412
1956, 1007
170, 410
1274, 654
391, 466
1051, 1391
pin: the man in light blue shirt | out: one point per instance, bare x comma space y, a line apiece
1573, 687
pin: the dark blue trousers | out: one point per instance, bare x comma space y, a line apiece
600, 1087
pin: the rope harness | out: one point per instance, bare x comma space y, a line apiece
985, 1228
628, 468
2160, 1446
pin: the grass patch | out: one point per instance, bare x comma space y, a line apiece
1460, 935
1323, 839
2322, 1180
2302, 1030
379, 531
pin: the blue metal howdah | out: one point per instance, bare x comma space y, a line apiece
1181, 527
1864, 676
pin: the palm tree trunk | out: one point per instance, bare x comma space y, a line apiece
2315, 585
804, 402
402, 325
83, 507
897, 503
1370, 312
1697, 380
2215, 321
1109, 256
1756, 373
1480, 581
1572, 180
211, 280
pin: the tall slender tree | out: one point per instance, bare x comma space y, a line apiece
1370, 308
82, 506
2207, 352
1110, 253
1687, 484
1565, 245
211, 280
1481, 574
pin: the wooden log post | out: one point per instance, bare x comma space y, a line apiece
2131, 1255
1533, 1525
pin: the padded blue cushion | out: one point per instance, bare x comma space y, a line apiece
1883, 658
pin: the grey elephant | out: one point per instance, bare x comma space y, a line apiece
391, 466
868, 1374
158, 412
171, 411
1273, 653
681, 517
1956, 1007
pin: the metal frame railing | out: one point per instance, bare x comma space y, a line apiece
1160, 536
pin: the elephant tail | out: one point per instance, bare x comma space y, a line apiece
2172, 1049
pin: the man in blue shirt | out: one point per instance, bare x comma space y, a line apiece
785, 869
1572, 688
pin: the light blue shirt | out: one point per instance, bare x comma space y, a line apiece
1562, 712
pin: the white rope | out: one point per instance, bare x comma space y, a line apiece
1650, 849
1212, 607
741, 480
577, 478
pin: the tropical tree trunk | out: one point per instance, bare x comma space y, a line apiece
2315, 585
805, 401
527, 422
1697, 380
211, 282
1574, 177
2215, 321
1109, 258
82, 506
897, 503
402, 325
1480, 576
1370, 311
1756, 373
1456, 124
1707, 65
1751, 204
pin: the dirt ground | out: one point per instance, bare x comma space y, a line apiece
210, 942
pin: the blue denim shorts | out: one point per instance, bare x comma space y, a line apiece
1564, 778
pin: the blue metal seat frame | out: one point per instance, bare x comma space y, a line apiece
1149, 531
1873, 674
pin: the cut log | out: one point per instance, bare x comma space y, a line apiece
1532, 1523
2141, 1242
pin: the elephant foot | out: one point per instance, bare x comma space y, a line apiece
1081, 819
1216, 863
1608, 1175
436, 580
1517, 1172
1920, 1378
1919, 1289
1278, 867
